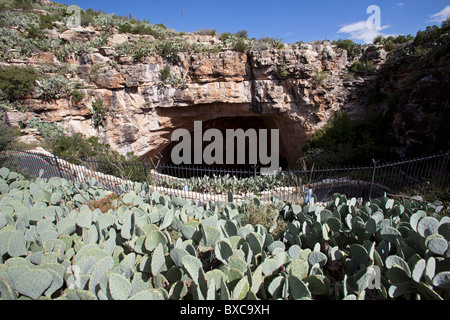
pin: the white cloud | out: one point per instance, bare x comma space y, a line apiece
400, 4
441, 15
359, 31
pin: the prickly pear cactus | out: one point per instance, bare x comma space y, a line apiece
56, 244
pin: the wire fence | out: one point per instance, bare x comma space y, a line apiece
202, 184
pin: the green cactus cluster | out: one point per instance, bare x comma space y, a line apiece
53, 245
217, 184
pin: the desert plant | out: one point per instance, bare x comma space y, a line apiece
240, 45
77, 96
320, 76
71, 249
7, 136
53, 88
169, 49
165, 73
363, 66
48, 130
206, 32
353, 49
99, 113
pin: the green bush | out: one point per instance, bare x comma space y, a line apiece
344, 141
36, 33
165, 73
87, 19
206, 32
25, 5
158, 31
46, 21
267, 43
125, 28
320, 76
169, 49
16, 82
225, 36
353, 49
77, 96
81, 150
359, 66
7, 135
240, 45
242, 34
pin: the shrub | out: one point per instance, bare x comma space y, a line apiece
36, 33
320, 76
16, 82
266, 43
353, 49
25, 5
240, 45
87, 19
344, 141
165, 73
206, 32
20, 20
77, 96
225, 36
103, 22
242, 34
46, 21
137, 50
7, 136
81, 150
158, 31
268, 217
359, 66
125, 28
169, 49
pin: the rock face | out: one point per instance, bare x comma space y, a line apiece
294, 89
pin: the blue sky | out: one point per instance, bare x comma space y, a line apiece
289, 20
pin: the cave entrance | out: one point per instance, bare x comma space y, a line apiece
236, 162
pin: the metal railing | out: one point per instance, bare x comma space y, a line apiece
206, 183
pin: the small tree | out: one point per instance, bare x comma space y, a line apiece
16, 82
7, 135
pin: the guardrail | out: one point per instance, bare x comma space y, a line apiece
207, 183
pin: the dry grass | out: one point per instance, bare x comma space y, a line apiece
107, 203
266, 215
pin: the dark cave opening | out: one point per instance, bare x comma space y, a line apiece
236, 144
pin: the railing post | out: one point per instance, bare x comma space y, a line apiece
255, 167
373, 177
57, 165
5, 117
145, 169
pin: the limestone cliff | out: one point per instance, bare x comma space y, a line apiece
295, 88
